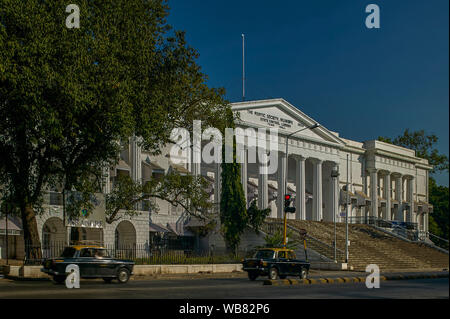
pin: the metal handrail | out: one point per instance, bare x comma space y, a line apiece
414, 235
315, 239
437, 237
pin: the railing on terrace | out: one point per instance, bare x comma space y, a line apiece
406, 230
370, 220
313, 243
141, 254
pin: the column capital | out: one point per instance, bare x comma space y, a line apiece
372, 170
408, 177
298, 158
315, 160
384, 172
396, 175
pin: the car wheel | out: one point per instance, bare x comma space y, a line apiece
273, 273
303, 273
59, 279
283, 276
123, 275
107, 280
252, 275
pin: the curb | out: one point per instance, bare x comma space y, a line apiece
313, 281
15, 278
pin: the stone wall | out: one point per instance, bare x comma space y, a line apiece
140, 223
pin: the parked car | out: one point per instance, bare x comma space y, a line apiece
275, 263
93, 262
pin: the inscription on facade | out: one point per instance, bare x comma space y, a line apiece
273, 121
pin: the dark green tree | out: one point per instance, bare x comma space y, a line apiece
256, 216
424, 145
439, 219
67, 96
275, 240
233, 212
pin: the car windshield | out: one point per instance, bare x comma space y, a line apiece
264, 254
68, 252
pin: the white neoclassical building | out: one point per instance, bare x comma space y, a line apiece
384, 181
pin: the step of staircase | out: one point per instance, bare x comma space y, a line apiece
368, 245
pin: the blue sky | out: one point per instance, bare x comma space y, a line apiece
319, 56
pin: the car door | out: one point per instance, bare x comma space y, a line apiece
293, 267
105, 265
283, 263
86, 262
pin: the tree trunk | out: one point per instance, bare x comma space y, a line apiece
30, 233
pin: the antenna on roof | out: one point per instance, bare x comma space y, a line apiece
243, 67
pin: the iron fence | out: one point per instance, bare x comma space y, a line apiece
141, 254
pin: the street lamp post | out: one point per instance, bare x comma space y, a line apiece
334, 176
346, 218
286, 174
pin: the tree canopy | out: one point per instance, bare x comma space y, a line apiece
67, 96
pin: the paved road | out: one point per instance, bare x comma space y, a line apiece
223, 288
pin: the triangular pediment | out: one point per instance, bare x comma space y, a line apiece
283, 116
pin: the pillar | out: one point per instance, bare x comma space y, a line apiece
410, 198
244, 176
282, 164
374, 192
136, 169
317, 190
387, 195
300, 186
196, 149
217, 184
106, 180
399, 197
263, 187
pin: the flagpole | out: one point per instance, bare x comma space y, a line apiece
243, 67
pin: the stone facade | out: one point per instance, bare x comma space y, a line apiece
385, 181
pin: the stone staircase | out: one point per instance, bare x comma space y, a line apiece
371, 246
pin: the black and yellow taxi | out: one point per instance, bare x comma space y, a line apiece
275, 263
93, 262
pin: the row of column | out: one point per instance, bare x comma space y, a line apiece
263, 189
387, 194
300, 184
